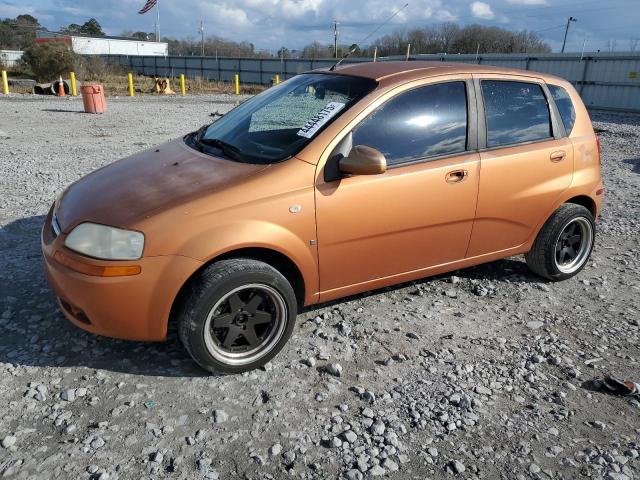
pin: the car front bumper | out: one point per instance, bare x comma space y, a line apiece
133, 307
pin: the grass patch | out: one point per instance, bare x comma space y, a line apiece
117, 85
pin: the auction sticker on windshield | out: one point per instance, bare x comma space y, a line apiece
319, 119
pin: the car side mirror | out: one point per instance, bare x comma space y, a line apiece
363, 160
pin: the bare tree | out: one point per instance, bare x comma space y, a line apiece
633, 44
611, 45
317, 50
450, 38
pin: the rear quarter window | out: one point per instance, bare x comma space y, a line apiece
565, 106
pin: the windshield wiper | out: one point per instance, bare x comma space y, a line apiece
229, 150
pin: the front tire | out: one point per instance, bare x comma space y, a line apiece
564, 243
237, 316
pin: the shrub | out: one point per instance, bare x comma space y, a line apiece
48, 61
94, 68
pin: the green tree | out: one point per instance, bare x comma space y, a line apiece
92, 27
18, 33
27, 20
71, 28
142, 35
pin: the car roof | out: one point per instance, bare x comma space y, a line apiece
410, 70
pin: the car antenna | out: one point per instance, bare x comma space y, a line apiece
355, 45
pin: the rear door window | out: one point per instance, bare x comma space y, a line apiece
516, 112
565, 106
423, 122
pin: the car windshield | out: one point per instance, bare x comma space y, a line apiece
276, 124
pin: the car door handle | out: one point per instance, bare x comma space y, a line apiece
558, 156
456, 176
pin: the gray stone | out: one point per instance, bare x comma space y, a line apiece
68, 395
376, 471
377, 428
9, 441
353, 474
275, 449
368, 396
457, 466
390, 465
367, 412
220, 416
481, 390
350, 436
334, 369
157, 457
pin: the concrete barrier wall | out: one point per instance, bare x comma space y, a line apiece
606, 81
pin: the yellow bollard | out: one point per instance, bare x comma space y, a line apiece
237, 78
74, 91
5, 83
130, 78
182, 89
277, 79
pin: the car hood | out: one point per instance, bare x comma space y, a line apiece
134, 188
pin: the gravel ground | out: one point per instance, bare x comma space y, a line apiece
480, 374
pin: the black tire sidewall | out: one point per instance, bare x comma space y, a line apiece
212, 293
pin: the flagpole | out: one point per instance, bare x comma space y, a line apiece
158, 21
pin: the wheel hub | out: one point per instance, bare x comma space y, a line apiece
241, 318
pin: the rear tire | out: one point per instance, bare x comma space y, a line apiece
237, 316
564, 243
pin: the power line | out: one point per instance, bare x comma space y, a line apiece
548, 28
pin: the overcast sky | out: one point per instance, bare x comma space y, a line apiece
269, 24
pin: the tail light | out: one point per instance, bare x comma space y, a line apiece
599, 149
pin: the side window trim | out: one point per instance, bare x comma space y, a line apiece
472, 122
556, 122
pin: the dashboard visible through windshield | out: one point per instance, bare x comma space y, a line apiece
276, 124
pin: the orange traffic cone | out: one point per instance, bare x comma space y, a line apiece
61, 88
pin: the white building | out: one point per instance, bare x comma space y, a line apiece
10, 57
105, 45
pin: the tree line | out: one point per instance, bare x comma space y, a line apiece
449, 38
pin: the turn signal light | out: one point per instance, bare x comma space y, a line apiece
96, 270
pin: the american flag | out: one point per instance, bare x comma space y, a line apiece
148, 6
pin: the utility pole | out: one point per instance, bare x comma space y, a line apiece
564, 42
335, 38
282, 62
202, 35
158, 21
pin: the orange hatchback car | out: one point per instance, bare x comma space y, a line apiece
329, 184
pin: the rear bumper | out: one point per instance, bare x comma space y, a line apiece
598, 196
132, 307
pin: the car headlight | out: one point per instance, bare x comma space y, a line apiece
108, 243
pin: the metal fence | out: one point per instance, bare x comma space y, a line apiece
606, 81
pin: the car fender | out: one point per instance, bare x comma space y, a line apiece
209, 244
